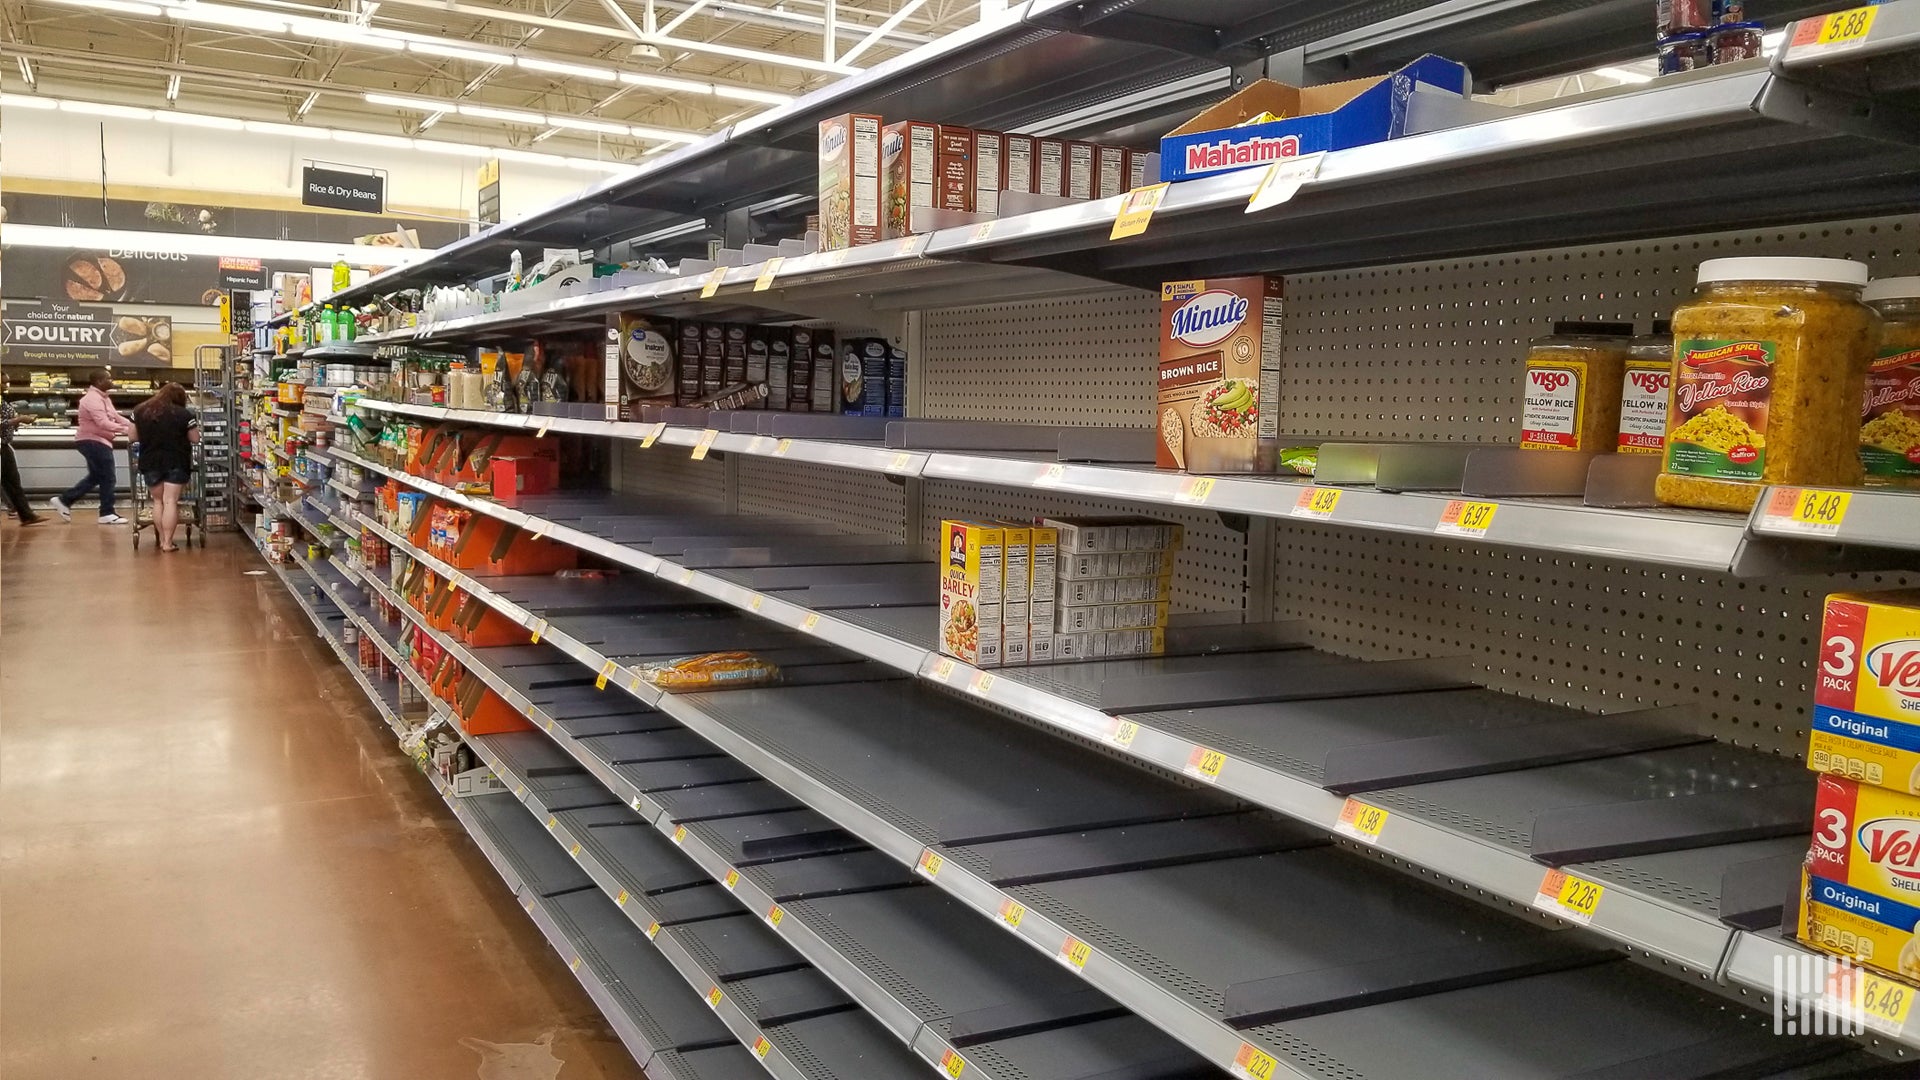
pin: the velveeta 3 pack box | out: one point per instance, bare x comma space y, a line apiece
1862, 876
1866, 704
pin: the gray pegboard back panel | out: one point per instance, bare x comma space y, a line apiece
669, 470
1209, 575
857, 502
1603, 636
1086, 360
1433, 351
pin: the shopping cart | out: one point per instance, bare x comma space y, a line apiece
143, 520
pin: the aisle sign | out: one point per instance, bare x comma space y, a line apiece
335, 189
1362, 821
1136, 210
1463, 518
1569, 897
1813, 511
1316, 502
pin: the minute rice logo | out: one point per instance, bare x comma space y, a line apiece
1209, 318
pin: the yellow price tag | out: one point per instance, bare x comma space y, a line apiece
1074, 953
767, 271
942, 670
1877, 1001
634, 684
542, 433
1205, 764
1195, 490
705, 444
732, 879
1251, 1064
686, 576
812, 620
1362, 821
982, 684
679, 834
1569, 897
1316, 502
1011, 913
541, 532
900, 462
1136, 210
1463, 518
754, 604
1847, 27
1123, 732
651, 437
952, 1064
551, 822
780, 449
929, 864
538, 629
761, 1048
653, 930
622, 899
574, 850
715, 997
606, 672
1815, 511
982, 231
712, 285
775, 915
573, 964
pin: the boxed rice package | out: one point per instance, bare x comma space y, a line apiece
1866, 704
1219, 375
972, 579
645, 364
850, 212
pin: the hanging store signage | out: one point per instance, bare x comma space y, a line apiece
334, 189
78, 335
243, 274
489, 184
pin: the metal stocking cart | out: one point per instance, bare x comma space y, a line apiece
190, 502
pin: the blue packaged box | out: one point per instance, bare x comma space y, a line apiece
1314, 118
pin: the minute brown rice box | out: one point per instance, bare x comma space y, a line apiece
1219, 375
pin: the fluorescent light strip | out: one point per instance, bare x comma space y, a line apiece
315, 134
588, 125
398, 102
557, 68
118, 6
515, 116
508, 116
312, 253
456, 52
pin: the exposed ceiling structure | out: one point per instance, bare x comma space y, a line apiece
609, 80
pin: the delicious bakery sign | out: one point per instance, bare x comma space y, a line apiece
79, 335
117, 276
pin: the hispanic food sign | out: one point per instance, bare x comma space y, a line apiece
80, 335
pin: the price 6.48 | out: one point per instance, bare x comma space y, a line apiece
1883, 997
1825, 507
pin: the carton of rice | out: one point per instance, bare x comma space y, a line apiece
972, 597
1219, 375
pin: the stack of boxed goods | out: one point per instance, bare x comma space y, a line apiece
874, 174
1861, 884
1014, 593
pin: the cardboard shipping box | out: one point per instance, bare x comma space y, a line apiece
1313, 118
1219, 375
849, 181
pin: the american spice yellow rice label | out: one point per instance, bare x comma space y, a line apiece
1721, 397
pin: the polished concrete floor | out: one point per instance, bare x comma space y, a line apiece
215, 864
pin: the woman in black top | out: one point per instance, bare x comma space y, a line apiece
167, 430
10, 469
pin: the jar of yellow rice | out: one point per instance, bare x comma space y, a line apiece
1890, 418
1769, 370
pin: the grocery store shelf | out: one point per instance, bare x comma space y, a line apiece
1870, 518
1698, 539
1668, 902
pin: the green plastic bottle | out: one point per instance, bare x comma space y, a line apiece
342, 276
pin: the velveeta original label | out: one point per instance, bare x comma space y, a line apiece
1554, 393
1890, 418
1721, 398
1863, 875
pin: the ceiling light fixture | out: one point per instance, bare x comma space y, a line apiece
435, 146
26, 70
27, 101
307, 105
288, 131
219, 123
173, 87
663, 135
225, 16
763, 97
509, 116
94, 108
118, 6
665, 82
368, 138
456, 52
557, 68
1624, 75
588, 125
399, 102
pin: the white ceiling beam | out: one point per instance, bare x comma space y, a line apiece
830, 30
620, 16
873, 37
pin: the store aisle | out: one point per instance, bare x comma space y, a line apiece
213, 861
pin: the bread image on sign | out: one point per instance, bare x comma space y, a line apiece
1218, 375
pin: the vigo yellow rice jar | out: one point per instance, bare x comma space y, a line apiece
1866, 704
1862, 897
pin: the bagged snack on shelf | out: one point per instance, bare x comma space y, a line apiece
1858, 884
1866, 705
1299, 460
710, 671
1219, 374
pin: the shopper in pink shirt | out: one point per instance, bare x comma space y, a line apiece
99, 426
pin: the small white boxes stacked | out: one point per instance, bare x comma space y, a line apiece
1115, 583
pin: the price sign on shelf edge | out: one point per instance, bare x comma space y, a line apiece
1283, 180
1136, 210
768, 270
1361, 821
1465, 518
1815, 511
712, 284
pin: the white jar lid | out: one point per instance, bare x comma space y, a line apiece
1891, 288
1762, 268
